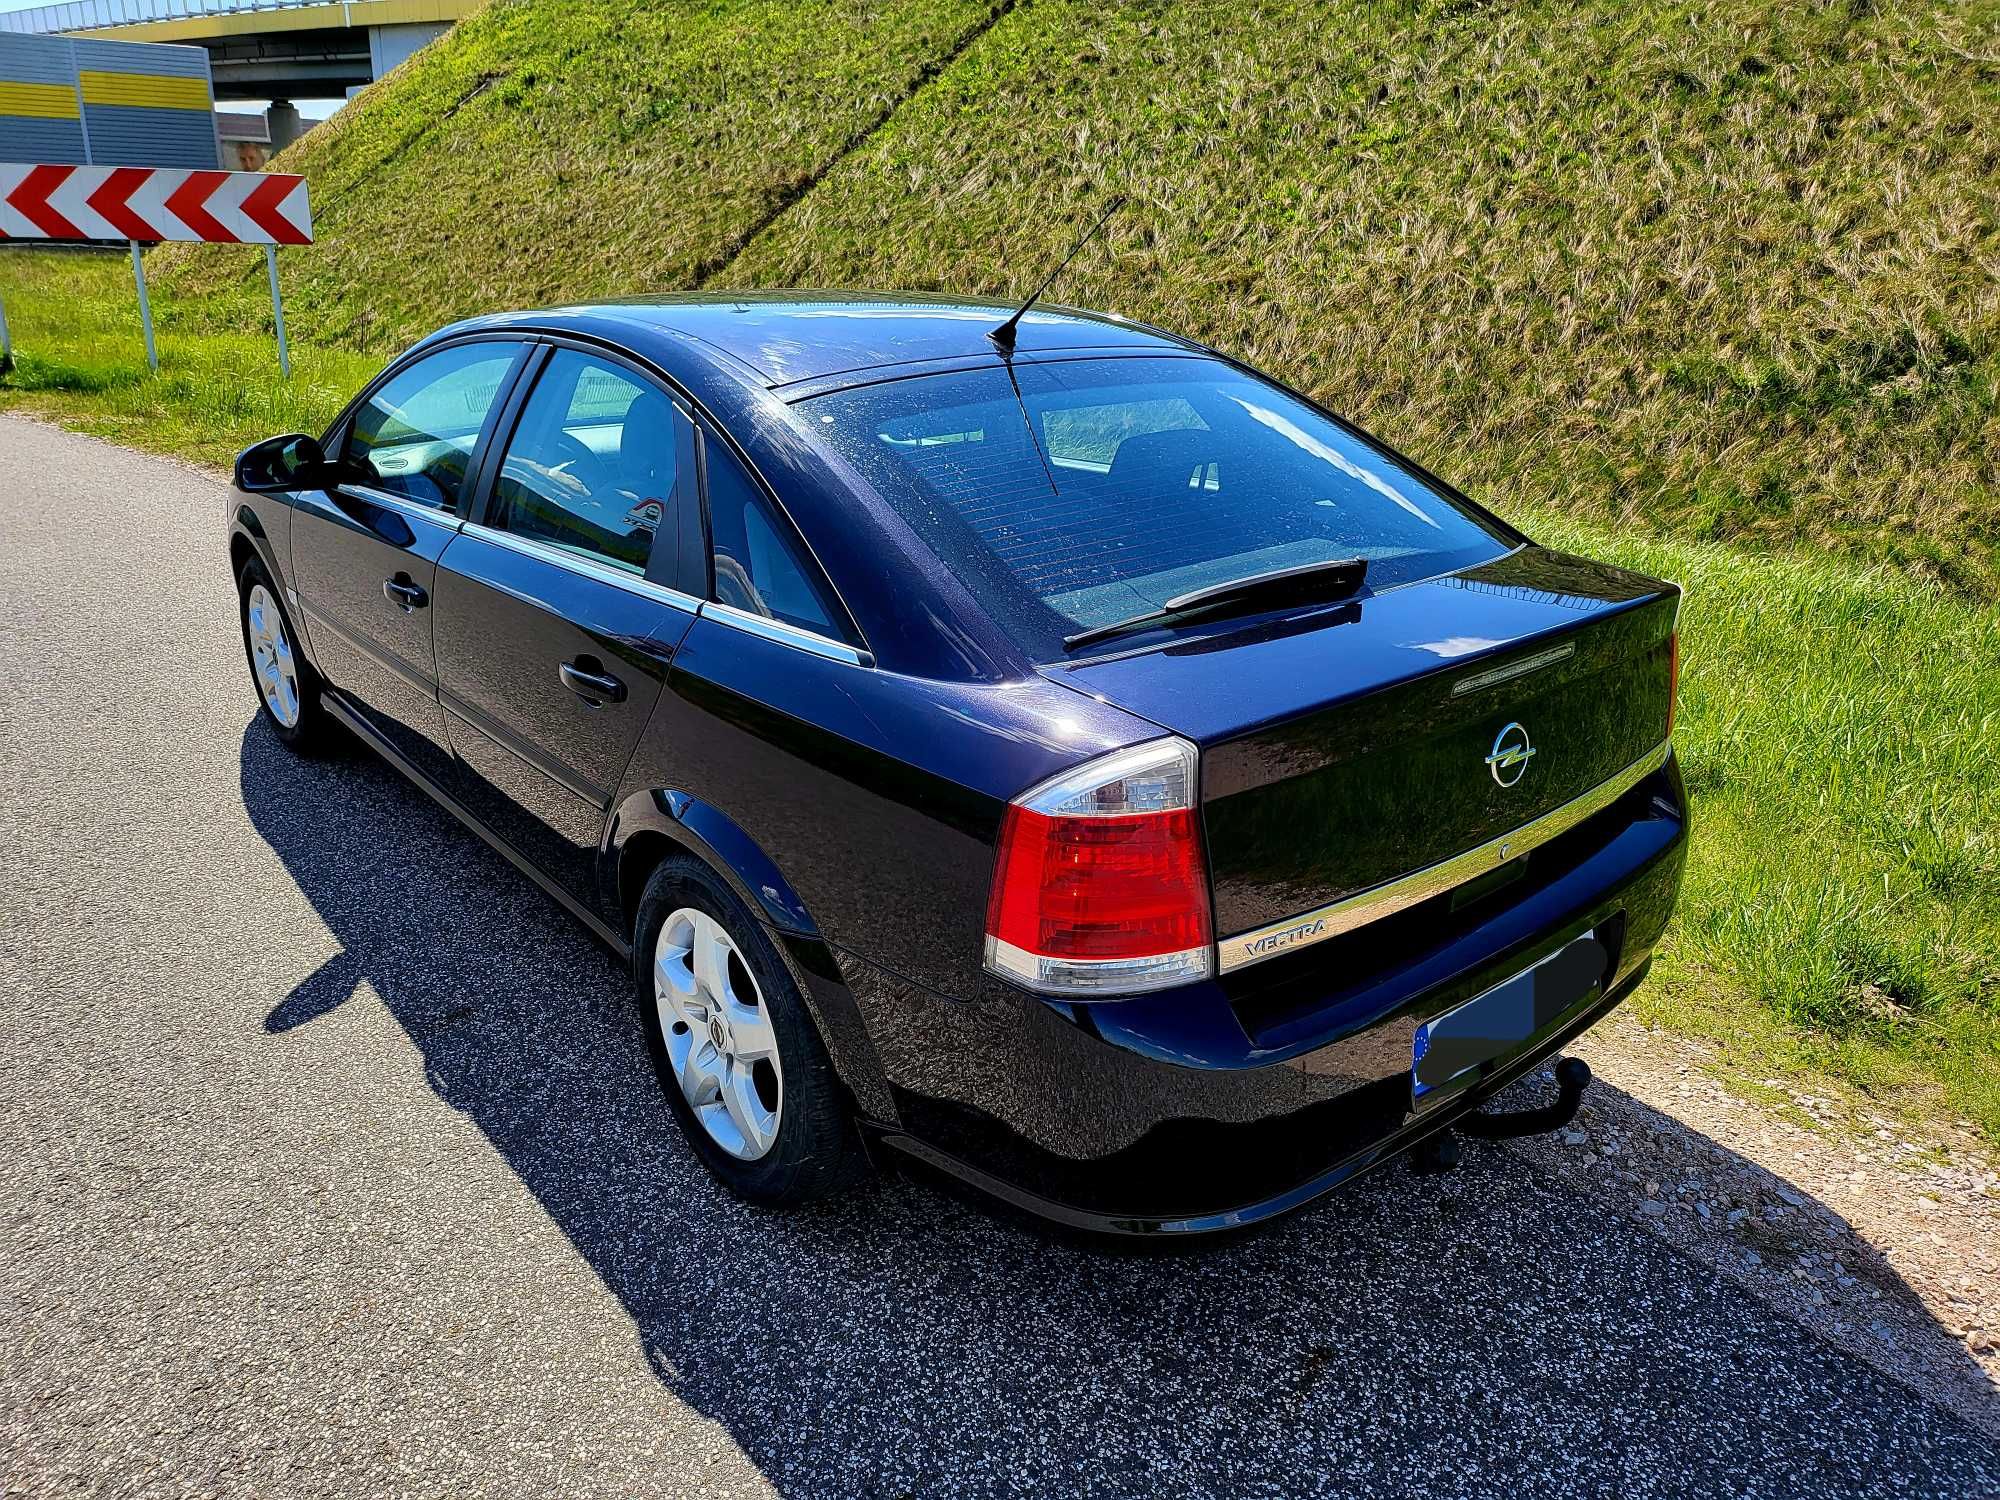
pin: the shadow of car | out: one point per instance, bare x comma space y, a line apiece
1492, 1331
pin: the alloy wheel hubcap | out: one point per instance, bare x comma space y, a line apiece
271, 656
718, 1034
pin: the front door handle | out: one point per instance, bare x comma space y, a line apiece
593, 687
405, 595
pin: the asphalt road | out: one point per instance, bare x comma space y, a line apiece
330, 1163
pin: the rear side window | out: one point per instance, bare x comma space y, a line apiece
760, 565
417, 431
592, 467
1108, 486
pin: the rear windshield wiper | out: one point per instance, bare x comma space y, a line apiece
1320, 582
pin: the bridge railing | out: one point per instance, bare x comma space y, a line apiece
90, 15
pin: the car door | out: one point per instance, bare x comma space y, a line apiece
364, 554
560, 605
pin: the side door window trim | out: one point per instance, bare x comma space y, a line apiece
486, 478
786, 634
334, 441
814, 641
632, 583
645, 588
437, 515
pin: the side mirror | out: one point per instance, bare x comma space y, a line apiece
294, 461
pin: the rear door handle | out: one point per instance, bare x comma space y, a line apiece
592, 687
405, 595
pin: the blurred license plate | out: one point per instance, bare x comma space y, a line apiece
1450, 1046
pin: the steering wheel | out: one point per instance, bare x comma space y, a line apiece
582, 465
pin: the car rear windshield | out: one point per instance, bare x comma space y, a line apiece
1109, 486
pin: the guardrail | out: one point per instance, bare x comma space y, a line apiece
90, 15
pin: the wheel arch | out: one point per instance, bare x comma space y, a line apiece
648, 826
651, 826
247, 540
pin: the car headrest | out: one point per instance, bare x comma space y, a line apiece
646, 446
1157, 457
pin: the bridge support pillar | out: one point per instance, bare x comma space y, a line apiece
283, 116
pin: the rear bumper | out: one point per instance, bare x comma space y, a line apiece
1220, 1105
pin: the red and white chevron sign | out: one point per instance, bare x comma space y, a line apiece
53, 202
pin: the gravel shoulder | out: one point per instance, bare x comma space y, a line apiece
1882, 1239
330, 1164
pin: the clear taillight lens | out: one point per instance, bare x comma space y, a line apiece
1099, 886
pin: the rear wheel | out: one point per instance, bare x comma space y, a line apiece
737, 1053
286, 683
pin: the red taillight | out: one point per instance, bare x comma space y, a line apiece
1098, 880
1128, 887
1673, 679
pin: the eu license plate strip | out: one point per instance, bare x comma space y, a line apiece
1448, 1047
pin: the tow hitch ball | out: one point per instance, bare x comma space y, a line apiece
1439, 1153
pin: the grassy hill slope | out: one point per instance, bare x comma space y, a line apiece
550, 152
1721, 269
1657, 279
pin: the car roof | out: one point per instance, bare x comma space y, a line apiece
785, 337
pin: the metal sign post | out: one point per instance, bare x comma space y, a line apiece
278, 312
145, 308
6, 342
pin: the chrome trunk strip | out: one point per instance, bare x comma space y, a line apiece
1397, 895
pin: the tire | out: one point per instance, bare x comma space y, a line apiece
286, 684
763, 1109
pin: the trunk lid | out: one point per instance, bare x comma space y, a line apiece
1376, 738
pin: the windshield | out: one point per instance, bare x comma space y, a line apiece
1113, 485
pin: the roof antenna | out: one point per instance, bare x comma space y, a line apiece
1003, 336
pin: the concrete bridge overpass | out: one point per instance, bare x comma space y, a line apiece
279, 50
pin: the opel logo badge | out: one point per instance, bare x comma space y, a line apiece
1508, 760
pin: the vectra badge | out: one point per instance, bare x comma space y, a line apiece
1508, 760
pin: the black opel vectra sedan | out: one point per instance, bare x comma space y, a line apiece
1075, 762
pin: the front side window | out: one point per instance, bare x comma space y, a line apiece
760, 566
592, 467
1108, 486
417, 432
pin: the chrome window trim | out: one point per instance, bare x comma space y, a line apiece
632, 583
1268, 941
725, 614
786, 635
441, 515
